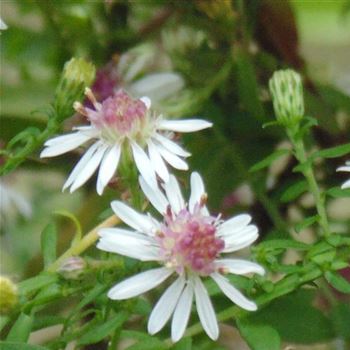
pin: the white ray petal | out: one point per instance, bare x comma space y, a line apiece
141, 283
239, 267
165, 306
346, 184
143, 164
81, 164
119, 234
72, 137
232, 293
182, 313
234, 224
186, 125
172, 158
344, 168
171, 146
108, 167
136, 248
89, 168
245, 238
174, 195
197, 190
155, 196
132, 218
147, 101
157, 161
205, 309
63, 144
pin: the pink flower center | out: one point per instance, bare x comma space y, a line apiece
188, 241
119, 113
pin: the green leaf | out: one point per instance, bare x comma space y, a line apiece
269, 160
294, 191
340, 315
73, 218
337, 192
6, 345
21, 329
98, 333
48, 244
281, 244
333, 152
295, 318
145, 341
183, 344
338, 282
306, 223
259, 336
36, 282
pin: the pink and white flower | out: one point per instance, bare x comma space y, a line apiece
187, 242
346, 167
121, 123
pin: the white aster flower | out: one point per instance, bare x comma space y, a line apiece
346, 167
118, 123
188, 243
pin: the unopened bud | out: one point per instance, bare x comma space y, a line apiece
287, 95
77, 75
72, 268
8, 295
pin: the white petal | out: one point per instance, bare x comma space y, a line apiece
81, 164
187, 125
63, 144
171, 146
239, 267
173, 193
141, 283
243, 239
165, 306
3, 25
157, 161
108, 167
128, 243
343, 168
147, 101
144, 164
157, 86
197, 190
232, 293
182, 313
155, 196
89, 168
132, 218
172, 158
346, 184
234, 224
205, 310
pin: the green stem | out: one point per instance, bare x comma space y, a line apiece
87, 241
308, 173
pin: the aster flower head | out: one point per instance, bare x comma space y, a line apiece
346, 167
188, 243
121, 123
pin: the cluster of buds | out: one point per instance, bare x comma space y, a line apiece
287, 95
8, 295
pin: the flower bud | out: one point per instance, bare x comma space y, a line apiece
77, 75
287, 95
8, 295
72, 268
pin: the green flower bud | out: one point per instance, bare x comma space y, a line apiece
287, 95
8, 295
77, 75
72, 268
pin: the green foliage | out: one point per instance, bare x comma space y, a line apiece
21, 329
338, 282
259, 336
7, 345
312, 327
294, 191
266, 162
48, 244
